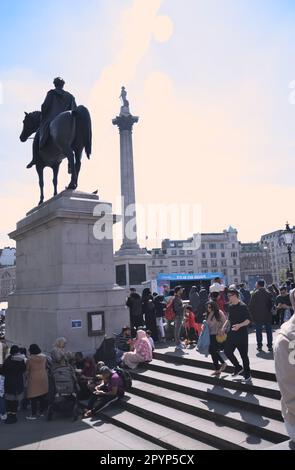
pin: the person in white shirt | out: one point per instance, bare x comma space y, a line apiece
217, 286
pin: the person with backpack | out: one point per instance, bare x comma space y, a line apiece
142, 351
37, 381
111, 390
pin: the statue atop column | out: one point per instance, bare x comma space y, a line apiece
125, 108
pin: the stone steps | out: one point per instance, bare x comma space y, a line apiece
235, 417
161, 436
265, 406
202, 430
207, 364
261, 387
175, 403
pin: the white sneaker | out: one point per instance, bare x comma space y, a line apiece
31, 418
3, 417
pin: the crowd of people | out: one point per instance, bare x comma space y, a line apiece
29, 379
215, 321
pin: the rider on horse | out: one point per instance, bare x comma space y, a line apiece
57, 101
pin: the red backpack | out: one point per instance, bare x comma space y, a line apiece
169, 312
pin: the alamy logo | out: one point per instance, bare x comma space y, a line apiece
292, 353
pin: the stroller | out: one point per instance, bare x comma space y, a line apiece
63, 389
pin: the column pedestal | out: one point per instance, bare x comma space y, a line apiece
62, 275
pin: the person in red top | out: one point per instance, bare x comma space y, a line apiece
190, 325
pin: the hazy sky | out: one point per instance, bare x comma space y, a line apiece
209, 79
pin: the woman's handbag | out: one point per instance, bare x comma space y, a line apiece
221, 338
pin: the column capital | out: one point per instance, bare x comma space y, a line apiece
125, 122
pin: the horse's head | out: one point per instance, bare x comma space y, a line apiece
31, 124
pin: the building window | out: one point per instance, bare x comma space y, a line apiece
213, 254
182, 262
223, 262
203, 246
222, 254
222, 246
181, 252
235, 262
203, 255
173, 252
234, 254
212, 246
190, 252
179, 245
214, 263
191, 272
233, 245
190, 262
224, 272
235, 272
236, 280
204, 264
161, 261
174, 263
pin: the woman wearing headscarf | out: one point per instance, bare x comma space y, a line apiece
59, 354
194, 299
142, 351
13, 370
37, 379
148, 308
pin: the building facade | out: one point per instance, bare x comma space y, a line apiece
202, 253
279, 259
255, 263
7, 256
7, 282
7, 272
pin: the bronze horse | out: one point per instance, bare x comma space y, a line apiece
69, 133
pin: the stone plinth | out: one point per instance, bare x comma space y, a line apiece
62, 273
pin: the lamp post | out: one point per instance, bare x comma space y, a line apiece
288, 239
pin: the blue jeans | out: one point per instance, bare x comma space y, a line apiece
268, 328
2, 406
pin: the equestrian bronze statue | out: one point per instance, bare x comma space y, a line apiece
63, 130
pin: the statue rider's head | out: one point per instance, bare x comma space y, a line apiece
58, 83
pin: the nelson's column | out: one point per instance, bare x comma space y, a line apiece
131, 261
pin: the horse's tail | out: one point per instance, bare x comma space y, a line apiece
84, 120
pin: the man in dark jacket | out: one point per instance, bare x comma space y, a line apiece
135, 308
245, 293
178, 310
261, 310
57, 101
194, 299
